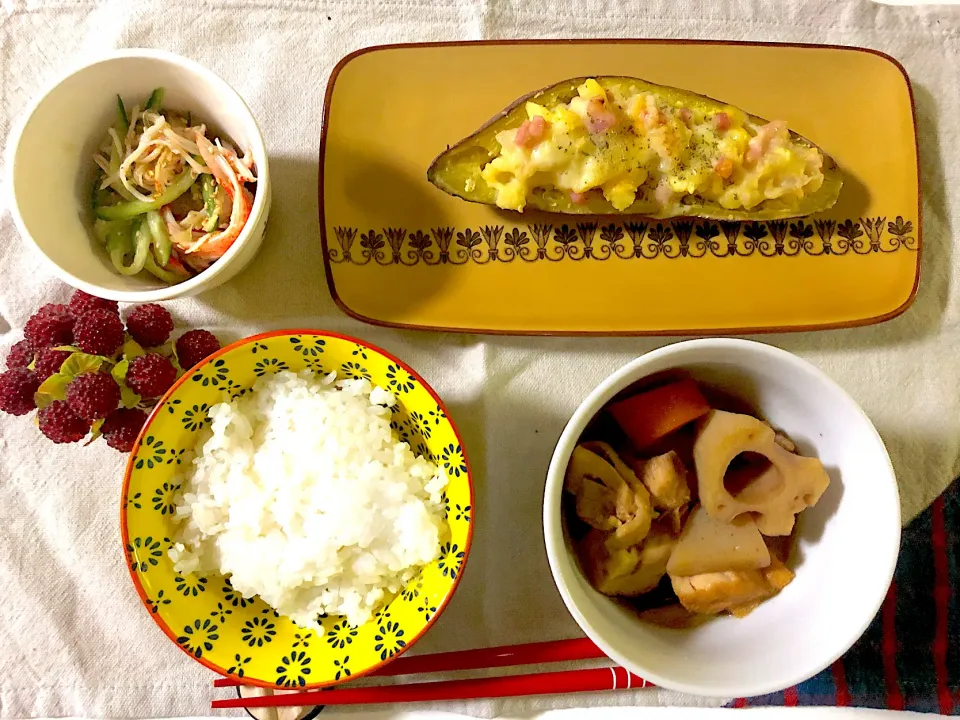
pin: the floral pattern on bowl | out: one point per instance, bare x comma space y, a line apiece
242, 637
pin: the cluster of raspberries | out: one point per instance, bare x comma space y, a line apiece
93, 326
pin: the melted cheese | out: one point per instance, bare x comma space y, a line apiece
653, 151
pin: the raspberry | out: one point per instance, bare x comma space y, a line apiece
122, 426
99, 332
194, 346
51, 325
93, 395
20, 355
81, 302
49, 361
150, 325
17, 387
150, 375
59, 423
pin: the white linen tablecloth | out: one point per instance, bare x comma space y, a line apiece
74, 639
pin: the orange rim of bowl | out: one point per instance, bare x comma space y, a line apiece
125, 538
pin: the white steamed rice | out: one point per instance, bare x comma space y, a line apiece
302, 494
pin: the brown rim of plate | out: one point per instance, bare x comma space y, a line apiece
125, 537
328, 270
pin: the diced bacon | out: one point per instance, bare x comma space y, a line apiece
721, 121
754, 152
686, 115
599, 118
578, 198
652, 117
531, 132
723, 167
760, 143
663, 194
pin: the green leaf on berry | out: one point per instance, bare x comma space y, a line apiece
70, 348
55, 386
79, 363
52, 389
128, 398
95, 432
119, 371
132, 349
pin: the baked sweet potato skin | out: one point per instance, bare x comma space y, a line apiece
458, 167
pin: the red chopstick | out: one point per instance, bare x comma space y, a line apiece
569, 681
503, 656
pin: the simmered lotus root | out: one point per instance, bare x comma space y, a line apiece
709, 545
790, 484
784, 442
626, 571
609, 496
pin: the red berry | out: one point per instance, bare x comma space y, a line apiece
81, 302
51, 325
17, 387
20, 355
99, 332
49, 362
194, 346
122, 426
59, 423
93, 395
150, 325
151, 375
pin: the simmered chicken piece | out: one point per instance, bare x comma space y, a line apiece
609, 496
627, 571
666, 478
719, 591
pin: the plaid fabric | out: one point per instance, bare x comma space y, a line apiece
909, 657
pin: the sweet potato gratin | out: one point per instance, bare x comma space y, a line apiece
624, 146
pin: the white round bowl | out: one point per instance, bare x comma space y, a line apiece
52, 169
846, 548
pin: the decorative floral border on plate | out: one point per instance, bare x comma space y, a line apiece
647, 240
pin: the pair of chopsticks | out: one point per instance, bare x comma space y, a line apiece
567, 681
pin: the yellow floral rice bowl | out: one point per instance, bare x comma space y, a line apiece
241, 636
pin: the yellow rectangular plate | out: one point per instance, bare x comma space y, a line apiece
400, 252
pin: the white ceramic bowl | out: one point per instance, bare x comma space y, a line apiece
52, 170
847, 544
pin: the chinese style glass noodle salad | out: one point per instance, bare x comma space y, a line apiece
169, 200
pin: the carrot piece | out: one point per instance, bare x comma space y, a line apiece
649, 416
